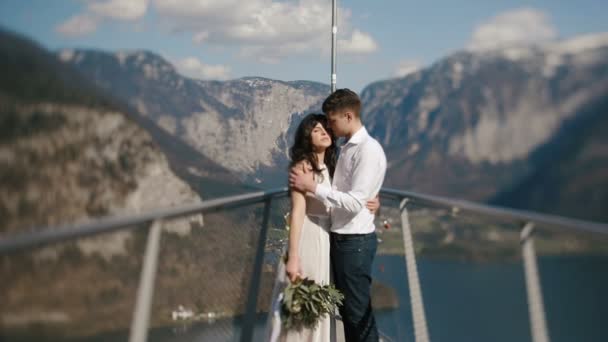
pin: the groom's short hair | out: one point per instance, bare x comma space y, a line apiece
342, 99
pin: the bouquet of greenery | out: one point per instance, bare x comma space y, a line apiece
305, 302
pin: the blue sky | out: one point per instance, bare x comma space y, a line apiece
289, 40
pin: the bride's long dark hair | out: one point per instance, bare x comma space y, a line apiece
302, 148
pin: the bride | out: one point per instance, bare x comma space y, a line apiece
314, 150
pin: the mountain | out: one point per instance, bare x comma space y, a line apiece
245, 125
189, 163
68, 151
501, 126
521, 127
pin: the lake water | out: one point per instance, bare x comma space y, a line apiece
487, 302
464, 302
468, 302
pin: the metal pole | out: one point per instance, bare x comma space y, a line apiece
272, 326
334, 32
145, 292
256, 276
421, 332
536, 309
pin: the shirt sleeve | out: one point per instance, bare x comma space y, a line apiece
368, 166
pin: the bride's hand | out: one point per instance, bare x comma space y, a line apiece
373, 205
293, 268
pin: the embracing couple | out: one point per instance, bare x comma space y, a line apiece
332, 233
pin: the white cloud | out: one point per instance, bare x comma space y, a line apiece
119, 9
582, 42
517, 27
407, 67
194, 68
78, 25
267, 30
359, 43
97, 11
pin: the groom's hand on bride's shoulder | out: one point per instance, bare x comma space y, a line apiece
301, 177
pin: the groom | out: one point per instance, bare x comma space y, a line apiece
358, 177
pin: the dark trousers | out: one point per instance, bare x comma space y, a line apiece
351, 260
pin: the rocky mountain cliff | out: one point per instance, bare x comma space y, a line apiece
69, 153
518, 127
243, 125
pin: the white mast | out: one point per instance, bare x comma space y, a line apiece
334, 32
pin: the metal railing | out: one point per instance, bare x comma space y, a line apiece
551, 221
141, 315
528, 220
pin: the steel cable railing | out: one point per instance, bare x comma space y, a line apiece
140, 324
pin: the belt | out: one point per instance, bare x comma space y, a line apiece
340, 237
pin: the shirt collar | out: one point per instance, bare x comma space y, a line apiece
359, 137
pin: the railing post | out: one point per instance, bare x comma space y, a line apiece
419, 317
272, 330
145, 291
256, 277
538, 323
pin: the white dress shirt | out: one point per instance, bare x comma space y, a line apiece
358, 177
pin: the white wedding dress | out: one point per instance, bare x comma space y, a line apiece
315, 264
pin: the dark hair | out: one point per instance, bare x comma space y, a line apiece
302, 148
342, 99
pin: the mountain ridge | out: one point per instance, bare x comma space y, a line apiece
467, 126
